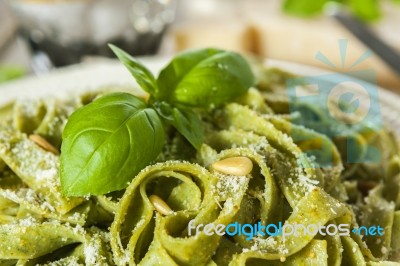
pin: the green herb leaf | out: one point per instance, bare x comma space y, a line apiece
185, 121
303, 8
107, 142
143, 76
164, 110
368, 10
189, 125
204, 78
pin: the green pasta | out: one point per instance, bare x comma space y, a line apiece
299, 176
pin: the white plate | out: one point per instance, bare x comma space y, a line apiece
103, 73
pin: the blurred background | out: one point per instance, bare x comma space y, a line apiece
39, 35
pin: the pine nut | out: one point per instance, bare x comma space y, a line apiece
43, 143
160, 205
234, 166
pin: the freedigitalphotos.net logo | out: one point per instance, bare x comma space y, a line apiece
339, 105
284, 230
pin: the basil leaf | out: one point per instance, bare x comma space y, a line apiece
368, 10
189, 125
143, 76
164, 110
204, 78
107, 142
185, 121
303, 8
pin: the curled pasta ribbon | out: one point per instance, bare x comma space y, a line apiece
36, 167
30, 243
46, 117
141, 235
36, 219
279, 147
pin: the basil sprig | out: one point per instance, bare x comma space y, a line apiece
107, 142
